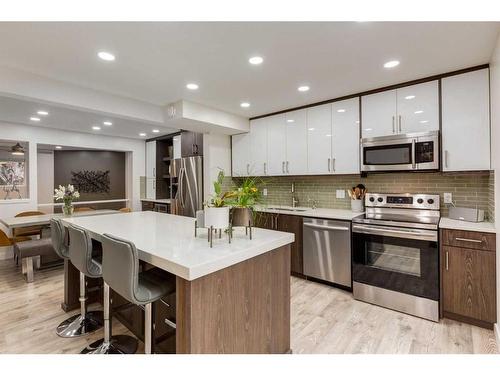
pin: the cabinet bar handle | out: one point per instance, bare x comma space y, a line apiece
287, 170
400, 123
154, 172
329, 165
447, 260
468, 240
333, 164
446, 158
265, 168
283, 167
393, 126
248, 168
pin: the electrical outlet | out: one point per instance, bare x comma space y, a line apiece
448, 198
340, 193
264, 192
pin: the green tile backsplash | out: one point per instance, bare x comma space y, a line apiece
471, 189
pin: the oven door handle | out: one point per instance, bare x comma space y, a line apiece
424, 235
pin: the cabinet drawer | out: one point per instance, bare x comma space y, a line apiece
469, 239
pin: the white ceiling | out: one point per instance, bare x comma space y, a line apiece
13, 110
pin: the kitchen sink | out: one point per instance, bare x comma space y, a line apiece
287, 209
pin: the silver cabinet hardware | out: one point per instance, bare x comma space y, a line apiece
333, 164
287, 164
248, 168
447, 260
154, 172
393, 125
154, 184
400, 123
170, 323
468, 240
283, 167
446, 158
265, 168
329, 165
327, 227
414, 152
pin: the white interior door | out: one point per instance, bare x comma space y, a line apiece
319, 143
466, 121
418, 108
345, 139
240, 154
276, 145
378, 112
258, 146
296, 142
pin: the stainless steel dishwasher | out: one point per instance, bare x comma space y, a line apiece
327, 250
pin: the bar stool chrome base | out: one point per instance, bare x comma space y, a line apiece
119, 344
78, 325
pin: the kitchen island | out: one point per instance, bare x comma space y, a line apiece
232, 298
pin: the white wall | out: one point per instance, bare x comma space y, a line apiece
45, 180
34, 135
216, 156
495, 156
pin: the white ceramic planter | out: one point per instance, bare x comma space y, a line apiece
217, 217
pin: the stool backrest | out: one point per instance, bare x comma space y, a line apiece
57, 234
80, 252
120, 266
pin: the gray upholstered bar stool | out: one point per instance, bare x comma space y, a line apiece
120, 271
85, 322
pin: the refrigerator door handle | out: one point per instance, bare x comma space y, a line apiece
181, 187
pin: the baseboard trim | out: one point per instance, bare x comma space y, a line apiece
496, 327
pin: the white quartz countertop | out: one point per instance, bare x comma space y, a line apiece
484, 226
162, 201
320, 213
26, 221
168, 242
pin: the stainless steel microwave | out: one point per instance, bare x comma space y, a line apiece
402, 152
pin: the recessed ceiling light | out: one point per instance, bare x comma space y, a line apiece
303, 88
192, 86
391, 64
107, 123
58, 147
156, 131
409, 97
245, 105
418, 112
328, 135
96, 128
36, 119
43, 113
311, 129
142, 134
290, 120
424, 121
106, 56
256, 60
341, 110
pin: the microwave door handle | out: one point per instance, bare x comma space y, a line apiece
414, 154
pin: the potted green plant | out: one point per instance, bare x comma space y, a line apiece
216, 210
67, 194
242, 201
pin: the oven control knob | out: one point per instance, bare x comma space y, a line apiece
420, 201
430, 201
372, 199
380, 199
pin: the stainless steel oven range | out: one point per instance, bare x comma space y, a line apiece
396, 253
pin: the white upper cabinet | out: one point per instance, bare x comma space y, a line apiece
258, 146
418, 108
151, 159
378, 113
319, 139
466, 121
276, 145
296, 142
408, 109
345, 136
240, 154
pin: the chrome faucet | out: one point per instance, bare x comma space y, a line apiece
295, 201
314, 203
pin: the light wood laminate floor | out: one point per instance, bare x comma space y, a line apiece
324, 320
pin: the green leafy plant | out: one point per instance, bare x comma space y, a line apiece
247, 195
219, 199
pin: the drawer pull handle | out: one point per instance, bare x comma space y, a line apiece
447, 261
171, 324
468, 240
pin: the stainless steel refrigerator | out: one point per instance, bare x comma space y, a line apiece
188, 172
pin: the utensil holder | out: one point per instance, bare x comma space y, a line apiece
357, 205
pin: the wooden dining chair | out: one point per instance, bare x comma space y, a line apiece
35, 230
83, 209
125, 209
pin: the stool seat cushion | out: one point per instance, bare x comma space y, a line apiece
154, 284
26, 249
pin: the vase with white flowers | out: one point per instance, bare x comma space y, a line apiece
67, 194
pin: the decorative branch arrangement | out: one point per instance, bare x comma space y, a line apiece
91, 181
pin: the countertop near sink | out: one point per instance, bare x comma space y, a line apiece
485, 226
320, 213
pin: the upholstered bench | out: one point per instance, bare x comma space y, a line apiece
29, 250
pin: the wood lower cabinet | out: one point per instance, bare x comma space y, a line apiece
468, 278
285, 223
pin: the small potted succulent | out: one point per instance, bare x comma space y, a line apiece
216, 209
242, 201
67, 194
